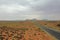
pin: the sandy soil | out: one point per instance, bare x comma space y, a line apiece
24, 30
51, 24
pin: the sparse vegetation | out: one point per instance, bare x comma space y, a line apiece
58, 25
21, 31
35, 34
50, 24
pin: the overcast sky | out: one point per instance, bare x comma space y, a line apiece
29, 9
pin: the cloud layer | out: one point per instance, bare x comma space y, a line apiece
29, 9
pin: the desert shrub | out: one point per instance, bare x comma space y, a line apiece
58, 25
23, 29
30, 39
45, 24
4, 26
1, 38
35, 34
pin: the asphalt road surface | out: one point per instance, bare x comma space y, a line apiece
50, 31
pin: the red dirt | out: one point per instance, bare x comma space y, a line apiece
25, 31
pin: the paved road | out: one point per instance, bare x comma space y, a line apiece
50, 31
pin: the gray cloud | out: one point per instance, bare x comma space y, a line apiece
25, 9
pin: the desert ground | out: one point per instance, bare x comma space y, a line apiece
51, 24
24, 30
